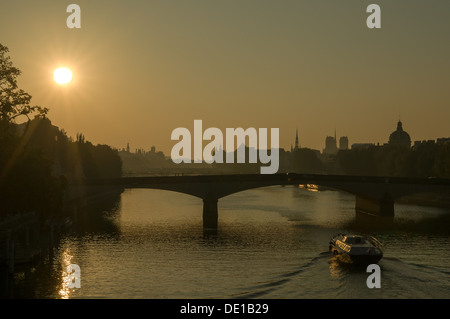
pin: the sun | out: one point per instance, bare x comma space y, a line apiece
62, 75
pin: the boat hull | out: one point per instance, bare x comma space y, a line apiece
365, 259
347, 254
358, 259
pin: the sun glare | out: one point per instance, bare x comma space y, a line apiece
62, 75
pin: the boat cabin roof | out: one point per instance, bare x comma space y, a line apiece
353, 239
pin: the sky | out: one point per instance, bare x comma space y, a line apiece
144, 68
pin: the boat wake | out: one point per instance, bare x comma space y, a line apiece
275, 287
324, 276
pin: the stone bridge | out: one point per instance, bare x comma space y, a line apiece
374, 195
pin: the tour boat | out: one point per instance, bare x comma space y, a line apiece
357, 249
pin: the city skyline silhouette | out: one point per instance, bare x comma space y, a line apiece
207, 150
141, 70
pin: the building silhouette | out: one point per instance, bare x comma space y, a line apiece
297, 145
361, 146
343, 143
400, 138
330, 145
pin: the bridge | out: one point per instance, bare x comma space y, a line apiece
374, 195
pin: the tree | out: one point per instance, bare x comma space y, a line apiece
305, 160
26, 179
14, 102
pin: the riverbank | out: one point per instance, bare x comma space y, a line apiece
24, 238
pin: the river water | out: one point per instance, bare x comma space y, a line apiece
271, 243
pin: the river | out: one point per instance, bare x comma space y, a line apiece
271, 243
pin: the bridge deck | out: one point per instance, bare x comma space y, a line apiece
374, 194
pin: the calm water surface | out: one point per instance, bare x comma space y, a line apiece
271, 243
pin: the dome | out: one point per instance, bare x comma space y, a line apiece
400, 137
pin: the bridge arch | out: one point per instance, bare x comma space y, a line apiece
374, 195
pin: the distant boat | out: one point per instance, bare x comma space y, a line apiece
309, 187
357, 249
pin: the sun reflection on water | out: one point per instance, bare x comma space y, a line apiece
65, 291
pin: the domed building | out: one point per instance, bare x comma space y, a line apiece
400, 138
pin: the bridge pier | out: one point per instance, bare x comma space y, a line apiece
383, 207
210, 212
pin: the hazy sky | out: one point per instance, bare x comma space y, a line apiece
143, 68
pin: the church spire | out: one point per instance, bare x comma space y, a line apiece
296, 139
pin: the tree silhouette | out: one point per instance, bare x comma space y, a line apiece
426, 159
26, 179
14, 102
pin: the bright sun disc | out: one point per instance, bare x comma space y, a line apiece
62, 75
